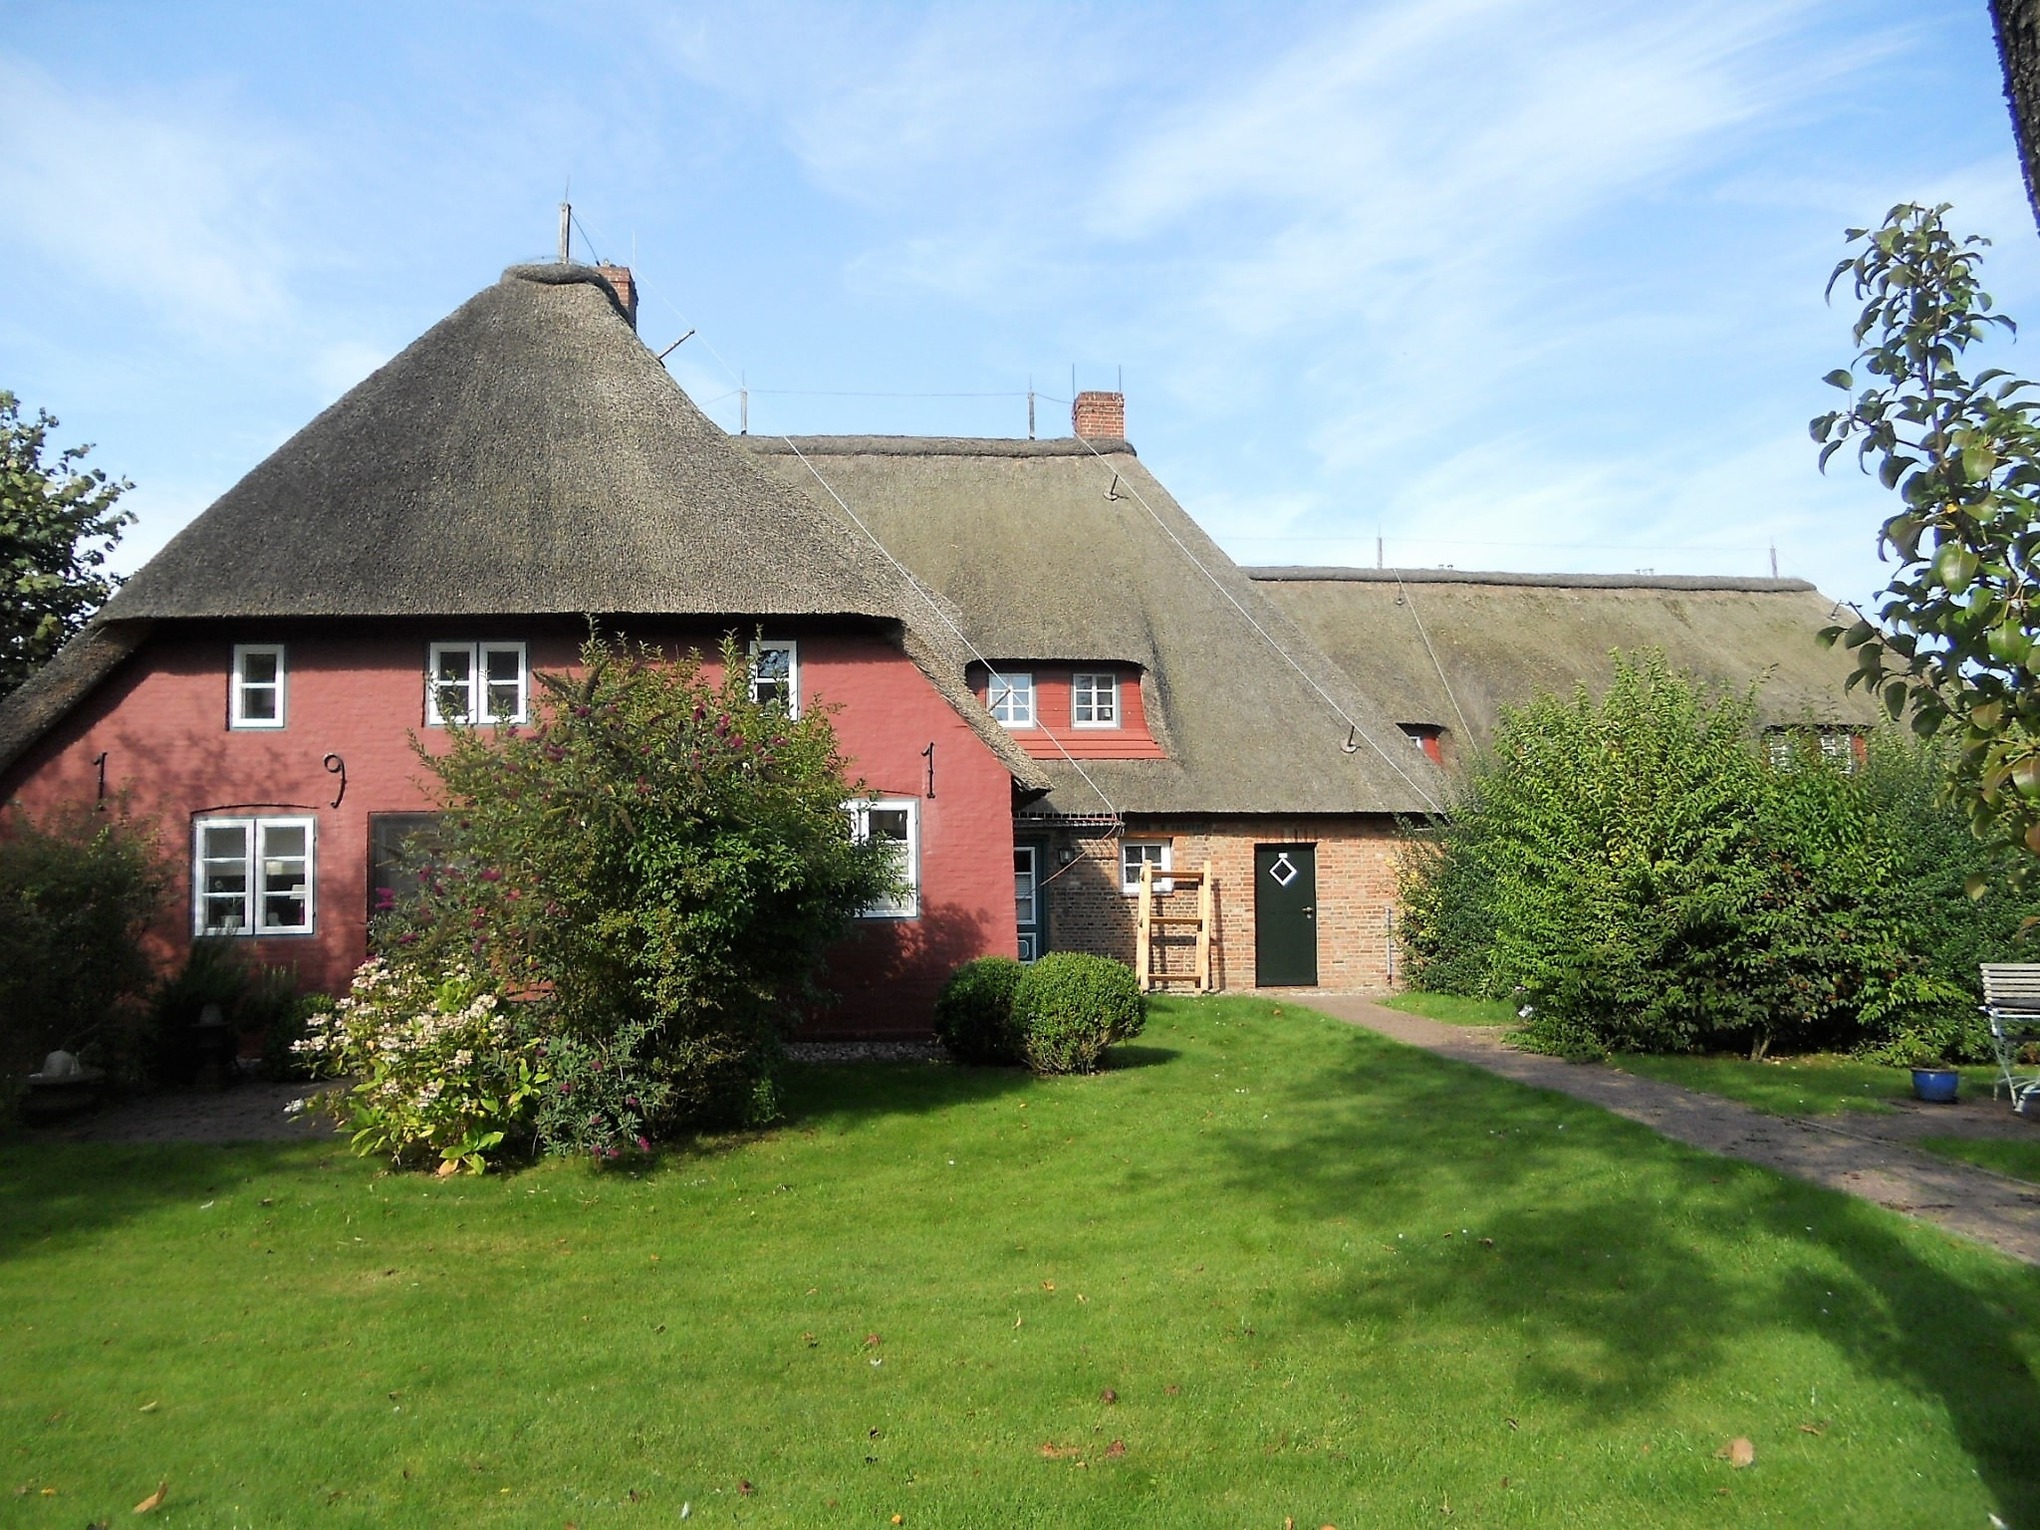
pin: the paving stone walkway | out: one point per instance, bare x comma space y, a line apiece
1860, 1153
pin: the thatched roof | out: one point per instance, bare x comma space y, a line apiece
527, 455
1046, 550
1502, 638
73, 672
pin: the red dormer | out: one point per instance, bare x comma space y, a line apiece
1078, 711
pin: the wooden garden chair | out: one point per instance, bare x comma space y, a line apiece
2011, 1000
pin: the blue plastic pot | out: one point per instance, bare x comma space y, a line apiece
1937, 1086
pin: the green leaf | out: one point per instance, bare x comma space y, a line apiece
1839, 378
1894, 699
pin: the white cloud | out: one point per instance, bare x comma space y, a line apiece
164, 202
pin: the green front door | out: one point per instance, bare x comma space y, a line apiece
1285, 916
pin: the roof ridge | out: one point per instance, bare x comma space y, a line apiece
1304, 573
933, 446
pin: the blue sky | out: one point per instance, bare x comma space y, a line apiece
1510, 285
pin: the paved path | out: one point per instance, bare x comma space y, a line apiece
1860, 1154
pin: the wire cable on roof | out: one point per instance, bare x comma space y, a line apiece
936, 606
1310, 680
1403, 592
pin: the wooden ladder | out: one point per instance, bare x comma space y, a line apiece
1153, 924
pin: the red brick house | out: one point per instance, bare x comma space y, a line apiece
424, 545
1041, 661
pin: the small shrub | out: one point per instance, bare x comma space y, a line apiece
1069, 1007
974, 1012
75, 898
442, 1079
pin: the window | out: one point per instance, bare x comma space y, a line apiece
399, 846
1135, 853
897, 822
1094, 701
1012, 699
475, 682
253, 876
1428, 738
256, 697
1843, 748
775, 674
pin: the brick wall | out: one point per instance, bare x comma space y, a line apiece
1355, 891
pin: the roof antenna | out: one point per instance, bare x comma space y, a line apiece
1774, 560
566, 224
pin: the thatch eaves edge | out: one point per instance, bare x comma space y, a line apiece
73, 673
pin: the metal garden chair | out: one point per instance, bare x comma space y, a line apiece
2011, 1000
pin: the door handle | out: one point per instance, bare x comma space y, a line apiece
1310, 908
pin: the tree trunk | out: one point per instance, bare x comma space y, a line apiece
2018, 38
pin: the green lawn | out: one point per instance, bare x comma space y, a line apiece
1820, 1084
1452, 1008
1271, 1267
2021, 1160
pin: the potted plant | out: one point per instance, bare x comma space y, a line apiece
1934, 1078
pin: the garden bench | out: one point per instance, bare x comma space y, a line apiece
2011, 1000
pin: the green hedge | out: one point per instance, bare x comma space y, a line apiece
1069, 1007
1642, 875
974, 1012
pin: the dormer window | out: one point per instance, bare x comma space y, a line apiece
1012, 699
775, 674
476, 683
1094, 701
256, 697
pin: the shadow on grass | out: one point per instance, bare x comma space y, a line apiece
58, 1194
1596, 1265
1121, 1057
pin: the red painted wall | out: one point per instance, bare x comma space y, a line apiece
356, 689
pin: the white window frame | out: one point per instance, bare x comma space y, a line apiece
1096, 679
255, 875
240, 685
1018, 686
1129, 871
908, 907
791, 649
477, 683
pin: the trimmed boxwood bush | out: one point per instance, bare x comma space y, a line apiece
974, 1013
1068, 1008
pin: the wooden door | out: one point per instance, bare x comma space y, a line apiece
1285, 916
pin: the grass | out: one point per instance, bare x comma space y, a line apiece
1818, 1084
2020, 1160
1322, 1276
1452, 1008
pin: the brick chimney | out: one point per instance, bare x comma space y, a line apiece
626, 289
1099, 416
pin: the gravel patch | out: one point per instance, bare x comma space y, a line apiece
865, 1051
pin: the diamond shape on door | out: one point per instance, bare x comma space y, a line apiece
1283, 871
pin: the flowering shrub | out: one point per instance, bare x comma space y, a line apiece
667, 859
441, 1075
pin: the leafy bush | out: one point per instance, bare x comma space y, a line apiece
974, 1011
1641, 878
666, 859
1069, 1007
75, 897
441, 1077
283, 1029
